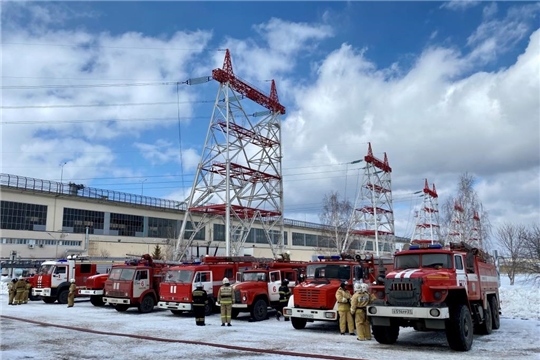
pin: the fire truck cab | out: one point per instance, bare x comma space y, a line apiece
315, 298
434, 288
180, 281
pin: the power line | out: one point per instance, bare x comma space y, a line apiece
85, 86
30, 122
86, 46
102, 105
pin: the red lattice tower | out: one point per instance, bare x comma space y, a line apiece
427, 223
476, 231
239, 178
457, 224
376, 214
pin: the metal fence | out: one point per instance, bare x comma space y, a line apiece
79, 190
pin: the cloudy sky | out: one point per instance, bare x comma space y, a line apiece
442, 88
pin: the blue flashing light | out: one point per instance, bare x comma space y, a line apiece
62, 260
196, 263
435, 246
335, 257
320, 257
414, 247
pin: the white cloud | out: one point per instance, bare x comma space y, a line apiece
459, 4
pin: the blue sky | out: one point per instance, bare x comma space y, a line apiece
433, 84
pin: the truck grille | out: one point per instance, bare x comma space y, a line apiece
115, 293
237, 299
403, 292
309, 298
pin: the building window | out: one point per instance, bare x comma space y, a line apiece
219, 232
162, 228
311, 240
298, 239
127, 225
200, 235
23, 216
78, 220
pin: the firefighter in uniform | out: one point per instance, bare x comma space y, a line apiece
20, 286
200, 300
343, 297
359, 301
284, 295
27, 288
226, 299
11, 291
72, 291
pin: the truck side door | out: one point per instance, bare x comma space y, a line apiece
141, 282
461, 277
204, 277
274, 282
59, 275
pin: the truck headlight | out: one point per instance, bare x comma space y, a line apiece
244, 298
330, 315
372, 310
437, 295
434, 312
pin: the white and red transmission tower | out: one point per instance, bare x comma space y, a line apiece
427, 222
376, 214
239, 178
457, 223
476, 231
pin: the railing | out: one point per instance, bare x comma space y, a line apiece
78, 190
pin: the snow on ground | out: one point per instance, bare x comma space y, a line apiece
517, 338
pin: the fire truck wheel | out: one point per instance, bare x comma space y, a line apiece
147, 304
121, 307
177, 312
97, 300
63, 296
459, 328
495, 317
298, 323
48, 299
259, 311
209, 308
235, 313
386, 334
486, 327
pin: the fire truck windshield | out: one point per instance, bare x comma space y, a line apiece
254, 276
45, 269
181, 276
414, 261
329, 271
121, 274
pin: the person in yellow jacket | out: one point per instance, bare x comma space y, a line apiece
72, 292
343, 297
225, 298
27, 288
359, 301
11, 291
20, 286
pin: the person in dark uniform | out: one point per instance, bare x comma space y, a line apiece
284, 295
200, 300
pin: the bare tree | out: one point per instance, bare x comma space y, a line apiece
512, 238
531, 251
336, 217
104, 253
467, 199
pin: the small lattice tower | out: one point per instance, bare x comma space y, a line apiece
239, 179
455, 233
376, 214
476, 231
427, 223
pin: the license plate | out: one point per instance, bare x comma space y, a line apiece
402, 311
309, 316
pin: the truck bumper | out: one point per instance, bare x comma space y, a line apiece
429, 313
41, 292
240, 306
116, 301
310, 314
170, 305
90, 292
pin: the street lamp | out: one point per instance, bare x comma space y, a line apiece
142, 187
62, 171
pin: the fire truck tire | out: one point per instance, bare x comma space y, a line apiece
386, 334
177, 312
495, 317
147, 304
459, 328
235, 313
209, 308
259, 311
63, 296
486, 327
97, 300
298, 323
48, 299
33, 298
121, 307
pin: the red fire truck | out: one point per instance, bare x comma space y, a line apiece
180, 281
433, 288
257, 289
52, 280
315, 298
94, 287
135, 284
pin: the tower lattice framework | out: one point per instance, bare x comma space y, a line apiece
375, 213
457, 223
427, 222
476, 231
238, 181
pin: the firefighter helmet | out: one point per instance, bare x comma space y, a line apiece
357, 287
72, 280
285, 282
364, 287
225, 281
20, 277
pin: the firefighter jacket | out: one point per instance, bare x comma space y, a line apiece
28, 286
200, 297
72, 289
11, 287
360, 300
20, 285
343, 298
284, 294
226, 295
